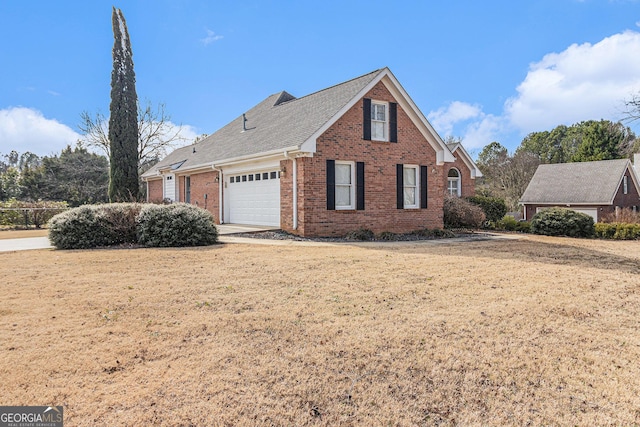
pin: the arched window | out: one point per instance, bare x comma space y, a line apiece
453, 182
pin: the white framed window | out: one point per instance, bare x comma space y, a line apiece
344, 184
453, 182
379, 121
410, 182
625, 185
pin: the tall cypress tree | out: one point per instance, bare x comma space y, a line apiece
123, 121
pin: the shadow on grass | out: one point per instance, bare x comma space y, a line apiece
532, 251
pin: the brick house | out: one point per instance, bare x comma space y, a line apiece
593, 188
358, 154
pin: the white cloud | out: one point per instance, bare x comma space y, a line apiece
467, 121
25, 129
445, 118
581, 83
211, 37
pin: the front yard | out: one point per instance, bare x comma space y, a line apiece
538, 330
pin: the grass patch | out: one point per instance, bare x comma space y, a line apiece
540, 331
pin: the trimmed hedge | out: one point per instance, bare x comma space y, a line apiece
92, 226
494, 208
617, 231
562, 222
178, 224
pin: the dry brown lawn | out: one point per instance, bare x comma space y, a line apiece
542, 331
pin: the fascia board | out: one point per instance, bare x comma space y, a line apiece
417, 117
475, 172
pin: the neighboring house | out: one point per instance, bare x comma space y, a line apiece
594, 188
358, 154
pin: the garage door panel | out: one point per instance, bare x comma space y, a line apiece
254, 202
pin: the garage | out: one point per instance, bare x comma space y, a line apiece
592, 212
253, 198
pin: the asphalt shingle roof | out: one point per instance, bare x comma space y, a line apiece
576, 183
278, 122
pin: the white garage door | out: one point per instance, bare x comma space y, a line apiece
254, 198
593, 212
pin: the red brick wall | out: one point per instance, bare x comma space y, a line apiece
154, 191
468, 185
201, 184
343, 141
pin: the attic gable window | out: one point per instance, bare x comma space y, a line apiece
379, 123
625, 185
380, 120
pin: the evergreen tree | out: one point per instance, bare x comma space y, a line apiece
123, 120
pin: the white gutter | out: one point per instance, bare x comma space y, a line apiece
220, 186
295, 189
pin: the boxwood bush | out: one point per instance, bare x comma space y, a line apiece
92, 226
562, 222
178, 224
617, 231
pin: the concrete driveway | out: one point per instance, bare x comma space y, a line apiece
9, 245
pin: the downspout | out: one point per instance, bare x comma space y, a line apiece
294, 177
220, 186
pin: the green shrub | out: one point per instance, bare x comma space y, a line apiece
178, 224
562, 222
494, 208
360, 234
460, 213
507, 223
387, 235
435, 233
523, 227
92, 226
618, 231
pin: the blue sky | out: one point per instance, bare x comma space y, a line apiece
485, 71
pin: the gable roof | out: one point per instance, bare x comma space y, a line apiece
466, 158
586, 183
283, 122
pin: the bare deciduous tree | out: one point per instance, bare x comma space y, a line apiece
156, 133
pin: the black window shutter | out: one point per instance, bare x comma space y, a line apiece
366, 119
400, 186
393, 122
423, 187
360, 186
331, 185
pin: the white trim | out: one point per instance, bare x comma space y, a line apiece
410, 108
352, 186
385, 122
416, 169
468, 161
458, 182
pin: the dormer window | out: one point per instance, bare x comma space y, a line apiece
379, 123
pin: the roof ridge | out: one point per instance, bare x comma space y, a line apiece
333, 86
